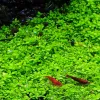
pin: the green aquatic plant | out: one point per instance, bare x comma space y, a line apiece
29, 56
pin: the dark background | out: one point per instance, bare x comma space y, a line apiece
25, 9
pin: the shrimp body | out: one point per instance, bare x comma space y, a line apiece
54, 81
80, 80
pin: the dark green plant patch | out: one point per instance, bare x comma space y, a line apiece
69, 44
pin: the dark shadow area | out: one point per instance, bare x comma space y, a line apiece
25, 9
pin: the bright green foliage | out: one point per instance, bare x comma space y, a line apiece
28, 58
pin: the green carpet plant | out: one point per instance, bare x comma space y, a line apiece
37, 50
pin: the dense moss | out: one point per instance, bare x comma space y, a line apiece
65, 41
